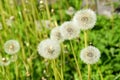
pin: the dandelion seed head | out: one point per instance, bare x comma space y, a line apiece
49, 49
46, 23
70, 11
85, 19
90, 55
11, 47
4, 62
43, 23
69, 30
56, 34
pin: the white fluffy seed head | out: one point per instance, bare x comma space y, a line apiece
85, 19
42, 24
46, 23
70, 11
56, 34
4, 61
11, 47
90, 55
49, 49
69, 30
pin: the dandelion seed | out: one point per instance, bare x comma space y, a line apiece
70, 11
11, 47
56, 34
4, 62
90, 55
85, 19
69, 30
49, 49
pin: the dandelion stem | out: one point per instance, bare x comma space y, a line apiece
87, 3
55, 70
16, 70
89, 70
63, 62
62, 57
101, 76
2, 14
85, 38
78, 69
112, 17
47, 9
3, 73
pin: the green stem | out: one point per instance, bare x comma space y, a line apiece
16, 70
89, 71
77, 65
112, 17
101, 76
63, 63
55, 70
47, 9
85, 40
87, 3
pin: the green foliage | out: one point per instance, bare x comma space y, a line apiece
105, 36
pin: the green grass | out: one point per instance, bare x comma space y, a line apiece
105, 36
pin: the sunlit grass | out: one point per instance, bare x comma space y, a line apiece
18, 19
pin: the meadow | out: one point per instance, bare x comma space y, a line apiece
29, 22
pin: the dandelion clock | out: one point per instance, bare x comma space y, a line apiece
11, 46
90, 55
49, 49
85, 19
